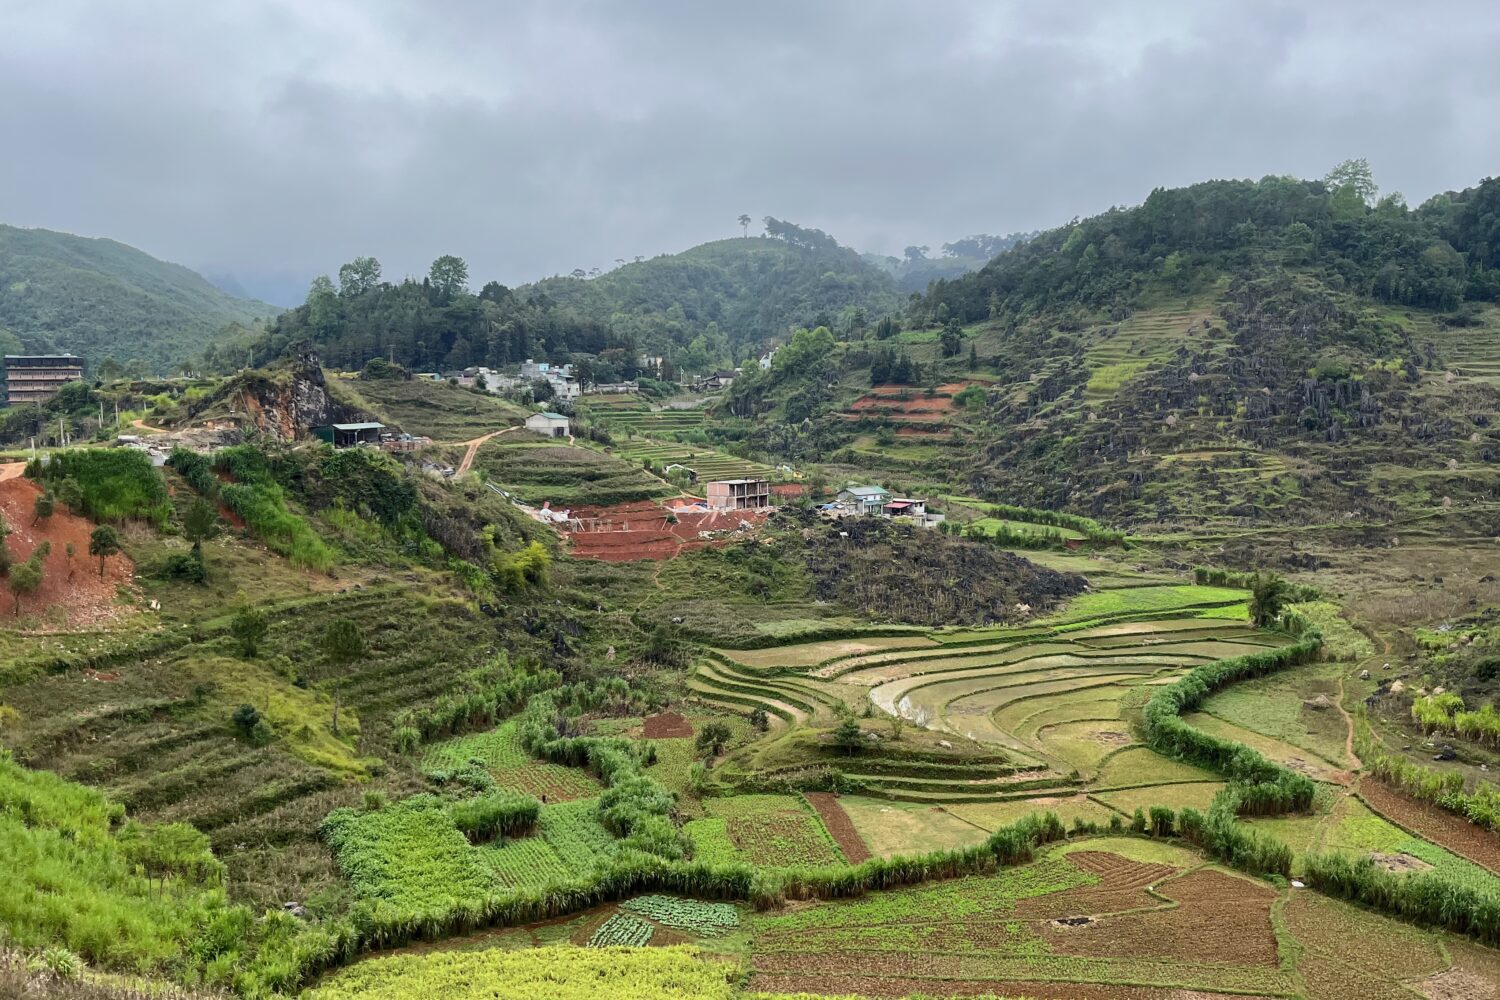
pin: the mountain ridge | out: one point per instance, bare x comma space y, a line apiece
101, 298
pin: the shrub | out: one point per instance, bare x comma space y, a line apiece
495, 814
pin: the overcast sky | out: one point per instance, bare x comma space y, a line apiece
535, 137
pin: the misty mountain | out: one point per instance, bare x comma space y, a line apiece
99, 298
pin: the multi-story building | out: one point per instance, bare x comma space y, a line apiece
35, 378
739, 494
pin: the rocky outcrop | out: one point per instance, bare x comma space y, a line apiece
285, 401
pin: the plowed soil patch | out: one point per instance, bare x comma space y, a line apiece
865, 985
84, 600
1437, 825
667, 726
1219, 918
840, 826
1122, 886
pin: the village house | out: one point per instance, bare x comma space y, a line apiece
716, 381
905, 507
549, 424
864, 499
739, 494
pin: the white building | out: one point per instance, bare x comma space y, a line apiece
549, 424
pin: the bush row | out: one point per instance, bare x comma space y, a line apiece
1087, 526
492, 692
1213, 576
1444, 789
495, 814
1265, 786
1420, 897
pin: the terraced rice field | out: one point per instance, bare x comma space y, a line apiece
1470, 353
539, 470
629, 414
707, 463
1148, 336
1053, 706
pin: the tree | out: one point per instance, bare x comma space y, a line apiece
713, 737
847, 735
449, 275
542, 390
1269, 596
1356, 175
341, 645
103, 542
359, 276
759, 721
198, 524
42, 508
745, 224
26, 578
248, 628
951, 339
71, 495
322, 305
916, 253
70, 551
245, 719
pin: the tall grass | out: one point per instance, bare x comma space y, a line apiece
117, 484
264, 510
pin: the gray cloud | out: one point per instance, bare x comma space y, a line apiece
536, 136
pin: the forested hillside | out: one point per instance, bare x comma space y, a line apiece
713, 305
101, 299
1279, 349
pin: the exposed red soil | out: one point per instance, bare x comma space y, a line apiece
667, 726
642, 530
87, 598
840, 826
1220, 918
789, 491
1437, 825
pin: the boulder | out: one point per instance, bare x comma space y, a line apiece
1321, 703
1364, 675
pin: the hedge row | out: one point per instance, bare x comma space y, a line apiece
1420, 897
1444, 789
1265, 787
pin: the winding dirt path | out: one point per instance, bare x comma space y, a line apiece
141, 424
473, 447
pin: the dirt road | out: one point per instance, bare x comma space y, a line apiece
473, 447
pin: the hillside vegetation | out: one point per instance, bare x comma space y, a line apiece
1274, 350
706, 307
101, 299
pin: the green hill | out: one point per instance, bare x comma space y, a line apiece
1233, 351
705, 307
101, 299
